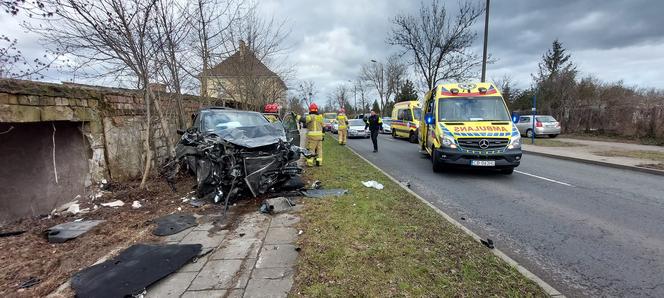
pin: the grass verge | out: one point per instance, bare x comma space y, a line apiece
381, 243
615, 138
550, 143
641, 154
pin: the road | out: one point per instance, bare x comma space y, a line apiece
587, 230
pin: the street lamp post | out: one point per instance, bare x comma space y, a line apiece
381, 85
486, 38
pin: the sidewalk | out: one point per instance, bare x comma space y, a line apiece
254, 258
594, 151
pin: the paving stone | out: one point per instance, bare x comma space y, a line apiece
281, 236
204, 226
239, 248
208, 240
237, 293
223, 274
195, 266
284, 220
270, 282
277, 256
254, 225
177, 237
171, 286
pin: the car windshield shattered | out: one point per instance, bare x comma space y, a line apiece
249, 129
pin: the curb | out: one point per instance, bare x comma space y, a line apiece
598, 163
548, 289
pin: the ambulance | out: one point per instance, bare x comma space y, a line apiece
406, 117
468, 125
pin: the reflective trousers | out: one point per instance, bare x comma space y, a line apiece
343, 135
315, 145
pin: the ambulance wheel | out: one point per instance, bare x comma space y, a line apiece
413, 137
394, 134
435, 161
507, 171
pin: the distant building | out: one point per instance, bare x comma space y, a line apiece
242, 77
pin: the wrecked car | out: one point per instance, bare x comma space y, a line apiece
235, 152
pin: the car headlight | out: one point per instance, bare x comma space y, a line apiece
448, 141
515, 142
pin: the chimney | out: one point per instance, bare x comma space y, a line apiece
243, 48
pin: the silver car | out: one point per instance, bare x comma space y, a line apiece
387, 125
356, 129
544, 125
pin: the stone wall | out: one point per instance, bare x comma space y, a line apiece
111, 121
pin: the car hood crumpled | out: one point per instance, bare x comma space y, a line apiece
253, 136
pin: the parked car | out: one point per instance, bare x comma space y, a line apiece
335, 128
387, 125
356, 129
544, 125
327, 124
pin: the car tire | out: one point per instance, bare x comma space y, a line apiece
529, 133
508, 171
552, 136
437, 166
412, 137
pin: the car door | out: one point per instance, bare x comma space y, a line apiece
429, 128
290, 127
524, 124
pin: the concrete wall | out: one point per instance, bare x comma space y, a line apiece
108, 122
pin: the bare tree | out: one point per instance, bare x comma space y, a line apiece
112, 32
374, 74
306, 91
13, 64
437, 42
395, 76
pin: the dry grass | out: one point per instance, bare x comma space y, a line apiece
382, 243
640, 154
550, 143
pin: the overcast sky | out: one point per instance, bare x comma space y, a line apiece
330, 40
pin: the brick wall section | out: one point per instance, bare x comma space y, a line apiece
113, 120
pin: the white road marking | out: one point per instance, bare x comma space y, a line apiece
543, 178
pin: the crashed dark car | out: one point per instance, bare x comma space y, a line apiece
234, 152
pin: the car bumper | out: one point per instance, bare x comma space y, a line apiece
547, 130
507, 159
357, 134
386, 130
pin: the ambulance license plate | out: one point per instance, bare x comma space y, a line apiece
483, 163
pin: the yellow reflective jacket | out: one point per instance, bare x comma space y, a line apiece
343, 121
314, 124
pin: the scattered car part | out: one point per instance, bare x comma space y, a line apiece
136, 205
133, 270
32, 281
116, 203
276, 205
488, 243
173, 224
70, 230
317, 184
321, 193
12, 233
373, 184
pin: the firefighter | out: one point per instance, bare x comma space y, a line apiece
342, 120
314, 124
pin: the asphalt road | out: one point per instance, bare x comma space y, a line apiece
586, 230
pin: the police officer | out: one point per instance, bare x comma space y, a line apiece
314, 124
374, 123
342, 120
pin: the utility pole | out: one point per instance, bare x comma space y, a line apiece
486, 39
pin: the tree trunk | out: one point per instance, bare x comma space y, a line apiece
146, 144
164, 128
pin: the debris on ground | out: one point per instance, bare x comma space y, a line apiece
294, 183
300, 232
276, 205
70, 230
316, 185
136, 205
373, 184
11, 233
133, 270
196, 202
321, 193
29, 283
488, 243
173, 224
116, 203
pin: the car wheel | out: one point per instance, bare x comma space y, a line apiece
437, 166
413, 137
552, 136
529, 133
507, 171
